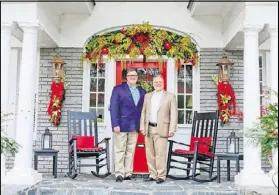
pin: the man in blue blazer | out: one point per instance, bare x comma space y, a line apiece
125, 109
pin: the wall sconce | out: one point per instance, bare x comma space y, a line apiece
224, 69
58, 71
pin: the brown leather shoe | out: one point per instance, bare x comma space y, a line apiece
149, 179
129, 178
119, 178
159, 181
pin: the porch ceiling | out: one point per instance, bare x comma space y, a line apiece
237, 43
61, 8
207, 8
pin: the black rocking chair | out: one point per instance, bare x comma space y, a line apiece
201, 149
83, 143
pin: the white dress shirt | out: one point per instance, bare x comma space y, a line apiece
155, 103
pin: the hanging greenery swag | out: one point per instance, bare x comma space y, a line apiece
138, 40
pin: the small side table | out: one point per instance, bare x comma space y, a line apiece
41, 152
228, 157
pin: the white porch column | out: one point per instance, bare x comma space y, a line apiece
252, 173
6, 33
273, 30
23, 173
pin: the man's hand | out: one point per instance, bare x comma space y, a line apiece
171, 134
142, 132
116, 129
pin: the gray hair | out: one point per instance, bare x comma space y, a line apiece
158, 76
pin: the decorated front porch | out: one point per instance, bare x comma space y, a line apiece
38, 39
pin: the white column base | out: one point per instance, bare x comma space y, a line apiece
253, 179
22, 176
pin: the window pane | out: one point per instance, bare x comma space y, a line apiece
189, 71
93, 100
189, 85
101, 70
188, 117
189, 103
261, 74
92, 109
261, 88
180, 86
260, 61
180, 101
101, 100
189, 79
180, 117
181, 72
93, 70
93, 85
100, 115
101, 85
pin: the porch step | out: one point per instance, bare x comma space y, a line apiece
90, 185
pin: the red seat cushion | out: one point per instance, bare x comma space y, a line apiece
84, 142
90, 149
180, 151
203, 149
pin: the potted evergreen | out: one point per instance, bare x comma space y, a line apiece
265, 133
8, 145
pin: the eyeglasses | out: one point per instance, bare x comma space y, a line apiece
132, 75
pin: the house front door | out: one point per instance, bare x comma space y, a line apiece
146, 72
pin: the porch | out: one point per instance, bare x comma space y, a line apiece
87, 184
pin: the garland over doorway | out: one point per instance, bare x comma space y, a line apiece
138, 40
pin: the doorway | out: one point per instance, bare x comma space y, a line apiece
146, 72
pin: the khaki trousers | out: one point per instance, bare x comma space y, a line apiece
156, 154
124, 147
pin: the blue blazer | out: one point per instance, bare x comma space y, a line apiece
123, 111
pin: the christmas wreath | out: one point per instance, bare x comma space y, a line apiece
226, 101
143, 40
57, 96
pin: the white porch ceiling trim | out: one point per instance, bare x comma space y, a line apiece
48, 25
234, 23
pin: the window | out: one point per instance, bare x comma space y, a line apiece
262, 70
185, 94
97, 90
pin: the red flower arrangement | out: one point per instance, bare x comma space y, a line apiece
226, 101
57, 97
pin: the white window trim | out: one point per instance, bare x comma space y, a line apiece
109, 84
196, 92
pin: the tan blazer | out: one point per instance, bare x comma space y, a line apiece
166, 116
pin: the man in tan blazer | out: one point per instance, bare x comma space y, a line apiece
158, 122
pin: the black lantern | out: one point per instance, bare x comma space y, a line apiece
47, 140
232, 145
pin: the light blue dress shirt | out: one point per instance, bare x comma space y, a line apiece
135, 94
